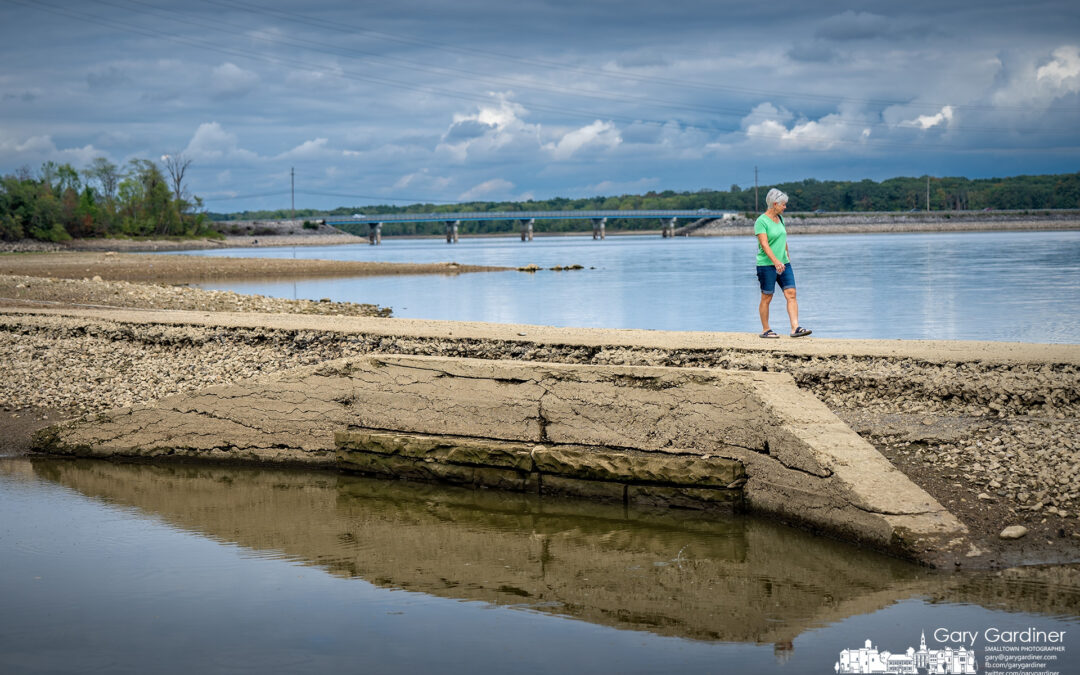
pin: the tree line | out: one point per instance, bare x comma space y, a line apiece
142, 199
1054, 191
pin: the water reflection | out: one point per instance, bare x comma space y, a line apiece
670, 573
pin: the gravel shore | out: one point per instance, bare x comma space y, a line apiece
994, 437
27, 291
172, 269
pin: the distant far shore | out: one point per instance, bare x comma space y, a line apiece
285, 233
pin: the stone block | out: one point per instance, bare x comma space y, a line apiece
683, 497
613, 465
446, 449
431, 470
577, 487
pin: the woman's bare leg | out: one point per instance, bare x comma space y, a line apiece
792, 308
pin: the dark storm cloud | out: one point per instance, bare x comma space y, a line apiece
551, 97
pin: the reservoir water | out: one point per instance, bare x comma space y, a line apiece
1002, 286
124, 568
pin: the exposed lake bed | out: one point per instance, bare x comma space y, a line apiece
955, 423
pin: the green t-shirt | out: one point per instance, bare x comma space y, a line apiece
776, 234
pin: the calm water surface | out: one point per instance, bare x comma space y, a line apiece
179, 569
1011, 286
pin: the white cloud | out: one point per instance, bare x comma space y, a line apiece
230, 80
490, 130
598, 134
1029, 84
496, 188
313, 149
422, 180
763, 112
40, 149
844, 127
1063, 71
929, 121
211, 143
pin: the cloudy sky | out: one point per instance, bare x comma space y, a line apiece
440, 100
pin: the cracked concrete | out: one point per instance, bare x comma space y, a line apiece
802, 463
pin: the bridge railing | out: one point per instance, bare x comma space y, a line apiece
667, 218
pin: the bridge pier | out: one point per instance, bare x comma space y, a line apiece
598, 227
452, 231
374, 233
527, 229
667, 227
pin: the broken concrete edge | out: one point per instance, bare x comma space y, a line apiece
626, 476
49, 442
571, 460
638, 479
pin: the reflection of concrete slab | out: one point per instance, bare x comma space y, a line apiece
801, 462
678, 573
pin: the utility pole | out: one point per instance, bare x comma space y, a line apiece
292, 193
756, 208
928, 192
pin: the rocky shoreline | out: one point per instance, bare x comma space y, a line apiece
994, 437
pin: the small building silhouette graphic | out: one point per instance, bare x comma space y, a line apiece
869, 659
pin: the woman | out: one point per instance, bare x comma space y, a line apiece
774, 265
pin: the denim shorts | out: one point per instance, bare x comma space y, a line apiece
767, 278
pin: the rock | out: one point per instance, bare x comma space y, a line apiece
1013, 532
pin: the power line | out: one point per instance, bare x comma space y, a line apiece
416, 66
503, 56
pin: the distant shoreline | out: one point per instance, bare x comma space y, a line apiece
832, 223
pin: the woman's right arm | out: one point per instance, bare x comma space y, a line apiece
763, 239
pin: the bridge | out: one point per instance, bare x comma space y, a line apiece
667, 218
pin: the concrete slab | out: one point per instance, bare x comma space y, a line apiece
802, 463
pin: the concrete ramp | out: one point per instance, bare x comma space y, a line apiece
692, 438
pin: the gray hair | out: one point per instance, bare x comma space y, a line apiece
775, 196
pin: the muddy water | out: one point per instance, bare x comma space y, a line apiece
182, 568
